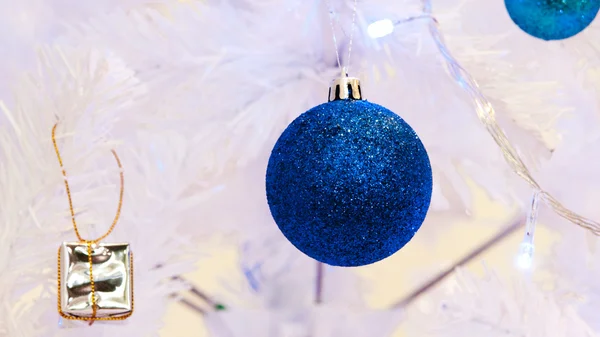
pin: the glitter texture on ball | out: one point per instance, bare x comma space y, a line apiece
349, 183
552, 19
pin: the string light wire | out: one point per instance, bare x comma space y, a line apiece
486, 114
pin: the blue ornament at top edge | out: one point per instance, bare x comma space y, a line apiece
349, 183
552, 19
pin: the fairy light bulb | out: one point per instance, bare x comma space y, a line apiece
525, 257
527, 248
380, 28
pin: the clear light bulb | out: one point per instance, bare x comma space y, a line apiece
380, 28
525, 257
527, 248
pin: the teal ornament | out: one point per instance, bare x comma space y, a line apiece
349, 182
552, 19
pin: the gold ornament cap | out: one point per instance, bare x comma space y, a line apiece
345, 87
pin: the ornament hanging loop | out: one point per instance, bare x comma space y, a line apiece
344, 87
332, 15
68, 189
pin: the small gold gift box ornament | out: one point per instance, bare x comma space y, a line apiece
95, 280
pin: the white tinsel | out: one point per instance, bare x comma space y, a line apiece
193, 94
93, 97
318, 322
244, 82
575, 261
489, 306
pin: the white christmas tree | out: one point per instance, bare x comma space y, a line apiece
193, 95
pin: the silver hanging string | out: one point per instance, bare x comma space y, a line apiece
335, 44
486, 113
345, 69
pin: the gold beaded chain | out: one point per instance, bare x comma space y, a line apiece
89, 243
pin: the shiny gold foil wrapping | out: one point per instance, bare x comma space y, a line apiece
112, 291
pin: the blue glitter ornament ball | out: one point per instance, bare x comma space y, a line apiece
349, 183
552, 19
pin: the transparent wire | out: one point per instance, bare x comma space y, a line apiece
346, 68
335, 43
486, 114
